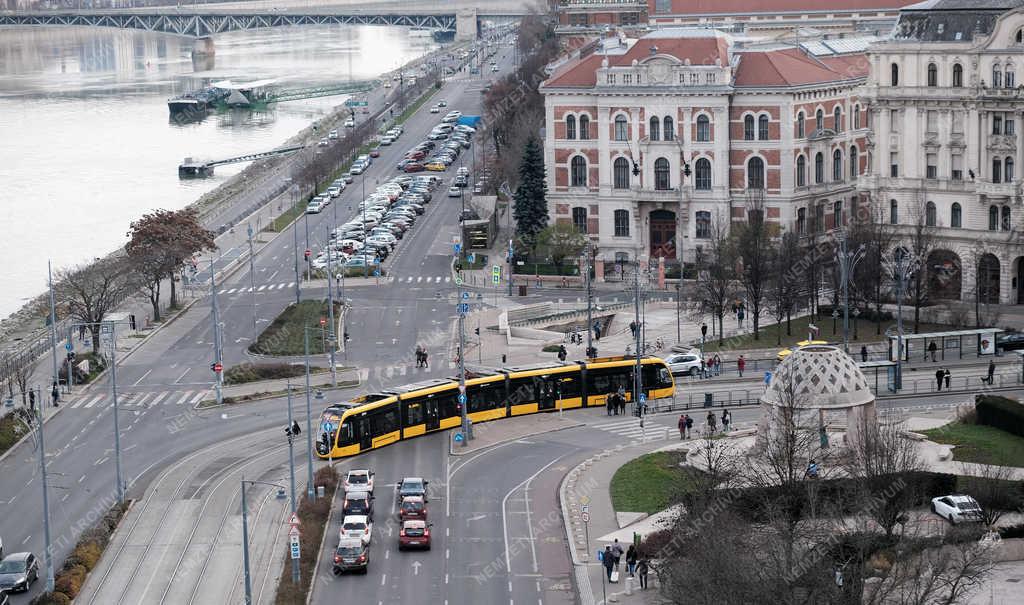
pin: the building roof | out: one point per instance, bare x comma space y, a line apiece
794, 67
951, 20
748, 7
818, 376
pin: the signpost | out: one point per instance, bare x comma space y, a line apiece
355, 103
496, 274
293, 542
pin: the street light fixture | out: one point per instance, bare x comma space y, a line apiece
900, 268
847, 260
245, 535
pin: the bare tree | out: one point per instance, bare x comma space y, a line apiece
871, 228
716, 273
921, 242
754, 240
995, 489
90, 292
784, 285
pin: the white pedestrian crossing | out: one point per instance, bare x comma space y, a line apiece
199, 397
184, 398
143, 399
159, 397
260, 289
94, 401
630, 428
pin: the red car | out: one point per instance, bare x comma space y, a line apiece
412, 507
414, 534
413, 167
416, 155
375, 153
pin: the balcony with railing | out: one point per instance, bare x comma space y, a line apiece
987, 190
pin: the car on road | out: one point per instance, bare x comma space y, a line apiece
460, 181
18, 571
347, 177
454, 191
386, 140
357, 526
334, 191
357, 502
357, 168
412, 507
351, 555
412, 486
387, 84
1010, 341
332, 134
375, 153
415, 533
957, 508
442, 103
435, 109
314, 207
494, 68
359, 479
323, 142
683, 363
350, 123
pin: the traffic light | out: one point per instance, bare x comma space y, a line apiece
477, 330
704, 330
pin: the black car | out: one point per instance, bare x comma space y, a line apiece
351, 555
1010, 341
357, 503
18, 571
412, 486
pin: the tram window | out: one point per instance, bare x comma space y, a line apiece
486, 396
568, 387
384, 422
447, 404
345, 434
522, 391
604, 381
413, 414
655, 377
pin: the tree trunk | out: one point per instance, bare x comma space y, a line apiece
174, 293
94, 333
721, 327
789, 323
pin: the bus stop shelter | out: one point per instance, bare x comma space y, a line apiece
980, 341
880, 374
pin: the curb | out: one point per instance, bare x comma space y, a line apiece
323, 540
301, 391
18, 443
584, 591
451, 439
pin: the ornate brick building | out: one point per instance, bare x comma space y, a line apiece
649, 141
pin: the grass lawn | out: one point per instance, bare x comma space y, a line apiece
409, 111
980, 443
279, 223
646, 484
284, 336
12, 429
479, 260
865, 332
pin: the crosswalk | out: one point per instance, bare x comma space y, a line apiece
394, 372
417, 279
408, 279
263, 288
139, 400
629, 427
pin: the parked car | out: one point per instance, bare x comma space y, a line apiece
413, 167
414, 533
1010, 341
434, 109
454, 191
333, 134
351, 555
314, 207
957, 508
18, 571
350, 123
683, 363
375, 153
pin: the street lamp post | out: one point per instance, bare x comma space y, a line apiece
53, 323
291, 475
305, 220
590, 318
47, 552
252, 282
637, 378
310, 489
900, 268
217, 351
331, 333
295, 249
245, 536
113, 388
847, 260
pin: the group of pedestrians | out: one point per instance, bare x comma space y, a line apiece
942, 375
710, 424
421, 356
637, 565
616, 402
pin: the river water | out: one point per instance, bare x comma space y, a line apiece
86, 145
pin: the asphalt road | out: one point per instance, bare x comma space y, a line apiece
160, 381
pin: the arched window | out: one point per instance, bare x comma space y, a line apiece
622, 223
703, 223
801, 221
762, 128
579, 219
819, 120
997, 76
956, 216
929, 214
621, 128
1009, 77
570, 127
837, 165
1008, 169
894, 75
703, 129
854, 163
801, 171
993, 218
819, 168
654, 130
1019, 38
620, 176
748, 128
1005, 223
856, 117
958, 75
578, 171
997, 170
801, 128
933, 75
894, 212
584, 128
702, 174
662, 182
668, 129
837, 214
837, 118
755, 173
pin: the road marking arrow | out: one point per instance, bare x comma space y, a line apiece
416, 568
476, 518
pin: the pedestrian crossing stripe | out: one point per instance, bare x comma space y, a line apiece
160, 397
147, 399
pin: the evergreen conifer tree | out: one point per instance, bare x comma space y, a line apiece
531, 205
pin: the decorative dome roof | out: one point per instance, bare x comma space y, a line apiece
818, 376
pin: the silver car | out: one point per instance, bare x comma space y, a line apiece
18, 571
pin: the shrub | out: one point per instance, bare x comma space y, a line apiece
1012, 531
1001, 413
52, 598
251, 372
88, 554
69, 581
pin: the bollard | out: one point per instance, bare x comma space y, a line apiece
629, 585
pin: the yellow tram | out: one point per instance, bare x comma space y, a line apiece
378, 419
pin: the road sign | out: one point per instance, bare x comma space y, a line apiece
463, 308
355, 103
458, 281
323, 321
458, 437
600, 555
462, 398
376, 272
643, 398
462, 388
217, 367
465, 296
585, 517
471, 258
69, 346
294, 522
457, 248
585, 508
294, 547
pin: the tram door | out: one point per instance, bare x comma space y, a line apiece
365, 435
545, 393
433, 416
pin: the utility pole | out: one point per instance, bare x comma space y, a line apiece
309, 268
362, 204
511, 259
310, 489
117, 430
295, 249
331, 333
591, 353
637, 379
217, 353
245, 547
53, 331
291, 470
900, 267
48, 551
252, 283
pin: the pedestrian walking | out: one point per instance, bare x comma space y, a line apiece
631, 561
947, 376
726, 420
703, 369
741, 364
617, 553
712, 423
939, 375
55, 393
632, 329
682, 427
561, 353
425, 358
991, 372
642, 567
931, 349
718, 365
689, 425
864, 353
740, 315
597, 330
81, 333
609, 562
419, 356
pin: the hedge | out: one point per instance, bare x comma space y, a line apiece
252, 372
313, 516
1001, 413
